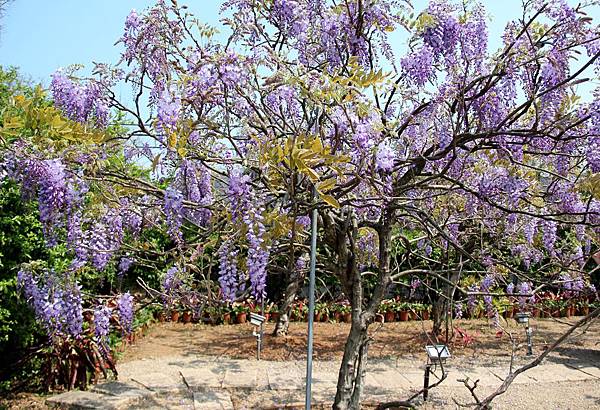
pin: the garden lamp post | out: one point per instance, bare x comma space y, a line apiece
257, 320
523, 318
436, 354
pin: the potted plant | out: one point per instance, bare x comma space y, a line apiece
226, 314
186, 317
387, 309
412, 311
299, 312
564, 308
425, 311
334, 312
420, 310
403, 310
267, 312
345, 311
321, 312
583, 308
274, 313
551, 308
175, 315
241, 311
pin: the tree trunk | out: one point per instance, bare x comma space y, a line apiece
442, 304
438, 313
354, 363
352, 371
283, 323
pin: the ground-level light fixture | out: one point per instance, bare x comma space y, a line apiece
257, 320
523, 318
436, 354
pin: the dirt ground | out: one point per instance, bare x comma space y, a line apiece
472, 339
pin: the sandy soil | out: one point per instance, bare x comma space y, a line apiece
473, 339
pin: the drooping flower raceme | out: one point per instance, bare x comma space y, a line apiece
173, 207
79, 102
194, 182
247, 211
125, 309
55, 300
102, 316
524, 288
228, 272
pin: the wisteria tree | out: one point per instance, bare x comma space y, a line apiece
487, 156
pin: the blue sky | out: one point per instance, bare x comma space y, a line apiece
40, 36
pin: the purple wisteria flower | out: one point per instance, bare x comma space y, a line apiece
56, 301
125, 309
247, 210
458, 311
124, 264
102, 316
78, 102
168, 110
173, 208
384, 159
524, 288
228, 271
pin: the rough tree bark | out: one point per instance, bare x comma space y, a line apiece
351, 376
283, 323
441, 305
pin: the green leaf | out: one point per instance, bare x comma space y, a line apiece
330, 200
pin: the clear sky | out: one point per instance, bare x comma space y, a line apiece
40, 36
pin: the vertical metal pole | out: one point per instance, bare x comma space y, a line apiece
311, 292
258, 346
426, 382
261, 331
311, 305
529, 344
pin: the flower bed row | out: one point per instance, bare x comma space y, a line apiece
390, 310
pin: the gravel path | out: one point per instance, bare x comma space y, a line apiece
179, 367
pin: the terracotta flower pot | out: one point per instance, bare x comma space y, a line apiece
347, 317
337, 317
186, 317
390, 317
174, 316
425, 315
413, 315
226, 318
161, 317
317, 317
240, 318
404, 316
267, 316
565, 312
585, 310
379, 318
275, 317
